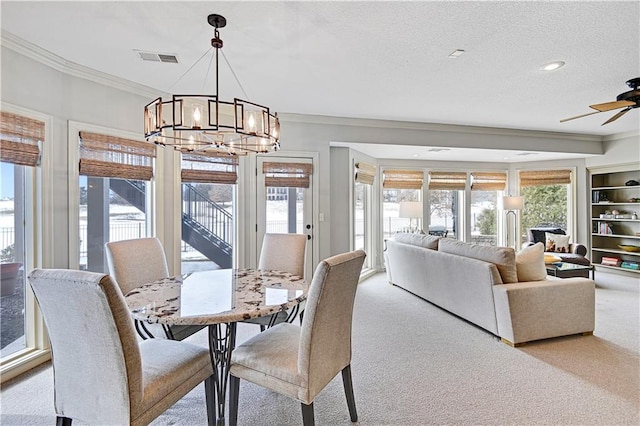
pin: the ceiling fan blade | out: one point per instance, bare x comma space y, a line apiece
579, 116
608, 106
618, 115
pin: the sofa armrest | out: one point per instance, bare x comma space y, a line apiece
576, 248
529, 311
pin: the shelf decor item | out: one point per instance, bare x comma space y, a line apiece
630, 248
611, 261
630, 265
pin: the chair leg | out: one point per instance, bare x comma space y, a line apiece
210, 397
63, 421
307, 414
234, 393
348, 390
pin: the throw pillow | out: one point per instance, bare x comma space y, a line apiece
557, 243
503, 257
530, 263
550, 258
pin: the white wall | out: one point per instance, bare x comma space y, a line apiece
61, 90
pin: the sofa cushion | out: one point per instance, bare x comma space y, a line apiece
530, 263
503, 257
420, 240
556, 243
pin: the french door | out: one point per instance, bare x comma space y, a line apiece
285, 200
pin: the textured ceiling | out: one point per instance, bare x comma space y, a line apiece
378, 60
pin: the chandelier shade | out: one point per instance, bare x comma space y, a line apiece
208, 123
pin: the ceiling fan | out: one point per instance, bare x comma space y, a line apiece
627, 100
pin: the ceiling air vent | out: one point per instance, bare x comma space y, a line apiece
157, 57
524, 154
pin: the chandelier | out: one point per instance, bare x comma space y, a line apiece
192, 123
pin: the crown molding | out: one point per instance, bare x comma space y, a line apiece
619, 136
32, 51
434, 127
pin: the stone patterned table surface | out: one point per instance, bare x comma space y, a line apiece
216, 296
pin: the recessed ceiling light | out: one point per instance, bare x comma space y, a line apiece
456, 53
438, 149
552, 66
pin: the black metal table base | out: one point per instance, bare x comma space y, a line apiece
222, 340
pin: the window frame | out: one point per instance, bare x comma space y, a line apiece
40, 249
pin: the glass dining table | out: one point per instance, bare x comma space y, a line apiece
219, 299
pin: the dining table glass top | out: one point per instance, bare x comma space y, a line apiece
216, 296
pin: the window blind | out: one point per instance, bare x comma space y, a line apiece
109, 156
365, 173
290, 175
488, 181
19, 139
205, 167
544, 177
447, 180
402, 179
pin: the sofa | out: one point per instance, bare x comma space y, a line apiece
575, 253
485, 286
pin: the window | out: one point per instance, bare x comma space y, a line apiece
363, 180
114, 192
546, 200
446, 191
21, 141
486, 187
399, 187
208, 194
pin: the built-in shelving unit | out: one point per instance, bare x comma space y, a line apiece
615, 217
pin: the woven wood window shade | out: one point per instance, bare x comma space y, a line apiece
545, 177
365, 173
109, 156
448, 180
19, 138
402, 179
488, 181
209, 168
290, 175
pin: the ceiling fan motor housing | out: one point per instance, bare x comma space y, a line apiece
632, 95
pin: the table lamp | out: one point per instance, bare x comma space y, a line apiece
410, 210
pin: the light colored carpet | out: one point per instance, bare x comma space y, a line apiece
415, 364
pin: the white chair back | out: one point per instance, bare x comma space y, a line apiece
136, 262
325, 337
284, 252
96, 358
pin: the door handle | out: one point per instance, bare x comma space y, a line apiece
308, 237
308, 226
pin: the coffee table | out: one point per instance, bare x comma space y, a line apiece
570, 270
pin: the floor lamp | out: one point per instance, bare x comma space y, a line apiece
511, 204
410, 210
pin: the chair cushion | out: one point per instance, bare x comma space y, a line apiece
573, 258
168, 364
270, 359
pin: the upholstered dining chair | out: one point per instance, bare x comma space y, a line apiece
298, 361
102, 374
133, 263
282, 252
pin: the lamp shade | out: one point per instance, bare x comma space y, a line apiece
512, 203
410, 209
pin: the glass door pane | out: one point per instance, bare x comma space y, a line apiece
12, 259
443, 219
285, 210
207, 226
110, 210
